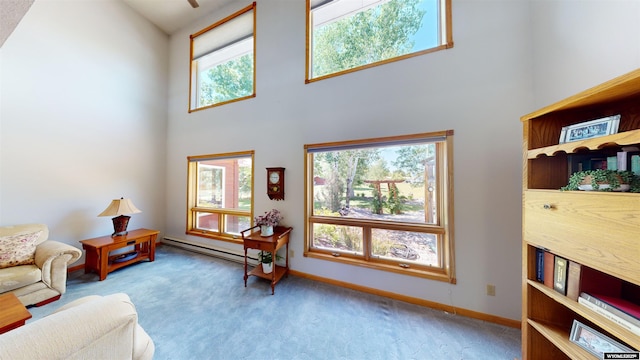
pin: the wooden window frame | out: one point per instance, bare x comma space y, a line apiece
443, 229
193, 64
446, 43
192, 201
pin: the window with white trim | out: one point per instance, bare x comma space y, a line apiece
223, 61
349, 35
384, 203
220, 195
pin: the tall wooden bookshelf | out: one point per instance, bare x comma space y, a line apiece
599, 230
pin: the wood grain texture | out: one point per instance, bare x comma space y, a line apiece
597, 230
592, 228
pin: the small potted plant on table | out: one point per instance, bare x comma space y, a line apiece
266, 259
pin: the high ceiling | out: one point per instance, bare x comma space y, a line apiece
11, 12
168, 15
171, 15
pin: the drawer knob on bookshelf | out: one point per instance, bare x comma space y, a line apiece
547, 206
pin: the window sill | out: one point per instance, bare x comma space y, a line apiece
235, 239
432, 274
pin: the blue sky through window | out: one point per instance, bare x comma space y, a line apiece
427, 36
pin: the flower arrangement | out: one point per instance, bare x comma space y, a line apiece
270, 218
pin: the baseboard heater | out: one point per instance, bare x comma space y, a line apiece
222, 253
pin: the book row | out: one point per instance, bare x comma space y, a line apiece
613, 298
622, 161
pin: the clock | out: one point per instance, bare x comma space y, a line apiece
275, 183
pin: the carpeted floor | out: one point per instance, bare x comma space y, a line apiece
195, 307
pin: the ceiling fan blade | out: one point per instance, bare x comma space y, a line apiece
194, 3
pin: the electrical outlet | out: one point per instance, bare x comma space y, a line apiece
491, 290
291, 253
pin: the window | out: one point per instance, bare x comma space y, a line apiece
385, 203
348, 35
223, 61
220, 193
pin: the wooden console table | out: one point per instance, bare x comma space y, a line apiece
98, 259
12, 313
271, 244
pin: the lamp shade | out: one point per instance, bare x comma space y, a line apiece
120, 207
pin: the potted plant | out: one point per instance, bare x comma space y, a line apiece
267, 221
266, 259
603, 180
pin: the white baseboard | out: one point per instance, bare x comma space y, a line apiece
223, 253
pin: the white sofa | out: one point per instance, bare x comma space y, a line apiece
93, 327
33, 267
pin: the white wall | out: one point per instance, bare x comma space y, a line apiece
83, 118
479, 89
84, 109
580, 44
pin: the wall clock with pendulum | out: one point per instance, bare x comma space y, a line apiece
275, 183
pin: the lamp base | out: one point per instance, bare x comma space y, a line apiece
120, 225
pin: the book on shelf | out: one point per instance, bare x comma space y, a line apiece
561, 268
612, 163
626, 156
622, 161
609, 315
573, 280
635, 164
615, 305
539, 265
548, 269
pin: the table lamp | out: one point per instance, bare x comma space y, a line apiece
120, 208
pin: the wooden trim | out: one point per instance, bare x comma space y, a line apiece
255, 53
377, 63
378, 224
307, 46
308, 194
449, 254
228, 101
191, 194
379, 140
229, 155
222, 211
447, 19
448, 24
251, 7
191, 74
421, 271
228, 18
613, 90
412, 300
234, 239
445, 271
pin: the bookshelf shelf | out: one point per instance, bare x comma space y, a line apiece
615, 140
557, 336
597, 230
607, 325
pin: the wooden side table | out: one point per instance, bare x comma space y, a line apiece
271, 244
98, 259
12, 313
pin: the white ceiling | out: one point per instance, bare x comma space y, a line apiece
11, 12
172, 15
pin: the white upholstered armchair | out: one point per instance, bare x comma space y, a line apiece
33, 267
